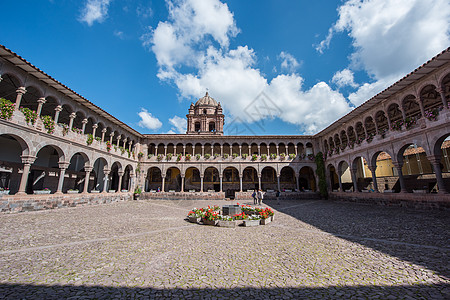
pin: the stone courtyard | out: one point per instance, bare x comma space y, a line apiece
146, 249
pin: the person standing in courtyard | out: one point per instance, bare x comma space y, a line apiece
260, 196
254, 196
278, 197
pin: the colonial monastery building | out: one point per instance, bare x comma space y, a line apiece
59, 149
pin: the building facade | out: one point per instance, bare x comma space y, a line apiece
52, 140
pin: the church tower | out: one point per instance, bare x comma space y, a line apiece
205, 117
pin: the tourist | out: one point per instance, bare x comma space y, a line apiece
260, 196
254, 197
278, 197
159, 189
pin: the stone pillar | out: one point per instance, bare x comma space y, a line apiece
118, 140
20, 92
156, 150
83, 127
240, 183
340, 181
94, 129
240, 150
27, 161
443, 99
119, 188
182, 183
221, 150
124, 142
268, 150
296, 150
220, 178
72, 117
129, 145
58, 110
388, 120
62, 171
278, 182
259, 150
354, 179
403, 112
132, 182
422, 110
231, 150
201, 183
111, 137
105, 179
184, 150
400, 176
374, 178
40, 102
278, 150
436, 163
163, 183
259, 181
376, 127
88, 171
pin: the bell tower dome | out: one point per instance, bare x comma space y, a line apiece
205, 117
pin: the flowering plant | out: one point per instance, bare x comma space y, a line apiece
410, 122
359, 140
247, 209
216, 155
342, 147
273, 156
30, 115
150, 156
207, 156
382, 132
235, 155
226, 218
225, 155
244, 156
179, 156
169, 156
98, 139
351, 144
254, 217
432, 114
197, 156
196, 212
76, 130
65, 128
292, 156
302, 156
108, 146
187, 157
90, 139
311, 156
241, 216
282, 155
263, 157
254, 157
370, 137
330, 152
266, 213
122, 150
140, 155
159, 157
397, 125
211, 215
6, 109
49, 124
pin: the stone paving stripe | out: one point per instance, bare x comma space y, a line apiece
125, 236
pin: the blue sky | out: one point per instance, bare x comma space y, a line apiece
277, 67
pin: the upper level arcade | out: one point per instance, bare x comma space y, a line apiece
205, 117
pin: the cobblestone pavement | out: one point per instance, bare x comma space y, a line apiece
146, 249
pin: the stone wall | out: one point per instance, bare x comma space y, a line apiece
409, 200
183, 196
16, 203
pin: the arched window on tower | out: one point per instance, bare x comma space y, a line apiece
212, 127
204, 111
197, 126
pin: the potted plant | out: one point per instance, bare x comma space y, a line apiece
207, 156
264, 157
137, 193
195, 215
6, 109
210, 217
4, 191
72, 191
227, 221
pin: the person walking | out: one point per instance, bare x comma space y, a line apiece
260, 196
278, 197
254, 196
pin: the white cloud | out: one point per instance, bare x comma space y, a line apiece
188, 40
94, 11
144, 11
289, 63
180, 124
119, 34
344, 78
148, 121
391, 37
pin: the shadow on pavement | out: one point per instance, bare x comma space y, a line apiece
420, 237
16, 291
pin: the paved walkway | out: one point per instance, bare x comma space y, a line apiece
142, 249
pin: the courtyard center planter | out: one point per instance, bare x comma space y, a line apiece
266, 221
251, 223
209, 222
194, 219
227, 224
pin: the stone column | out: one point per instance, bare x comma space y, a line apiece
436, 163
278, 150
296, 150
340, 181
400, 176
132, 182
40, 102
83, 127
88, 171
182, 183
20, 92
129, 145
118, 140
201, 183
62, 171
58, 110
165, 150
443, 99
259, 181
403, 112
268, 150
278, 182
376, 127
240, 183
354, 179
388, 120
156, 150
163, 183
94, 129
240, 150
374, 178
72, 117
231, 150
105, 180
27, 161
119, 188
259, 150
422, 110
111, 137
220, 178
221, 150
184, 150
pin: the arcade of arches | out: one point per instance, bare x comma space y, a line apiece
52, 140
